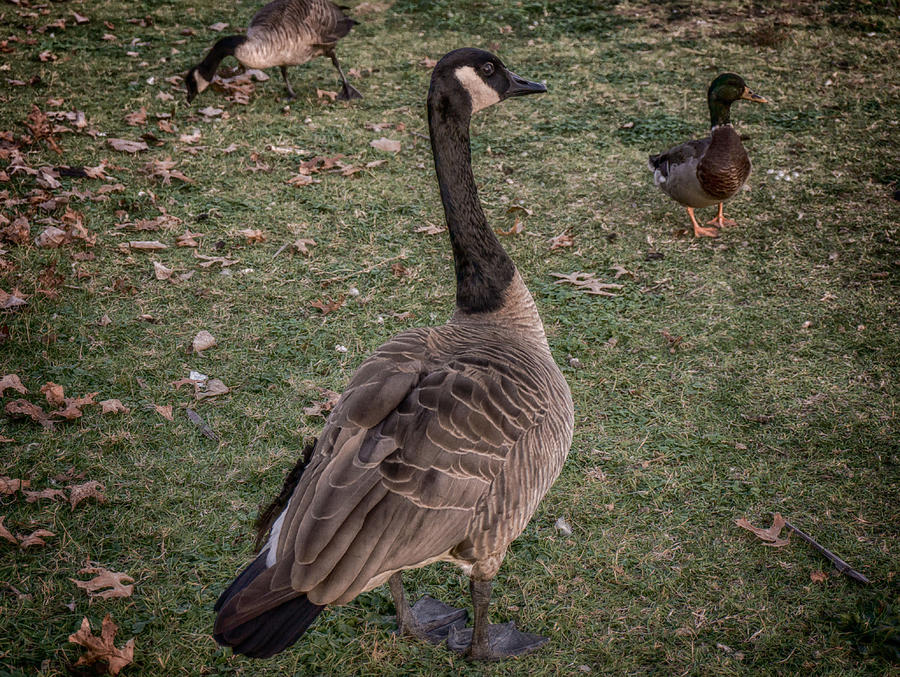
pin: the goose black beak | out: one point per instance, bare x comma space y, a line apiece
520, 86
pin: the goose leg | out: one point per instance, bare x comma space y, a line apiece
720, 221
486, 641
291, 95
347, 91
700, 231
428, 619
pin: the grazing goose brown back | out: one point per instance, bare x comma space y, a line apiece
442, 444
712, 170
283, 33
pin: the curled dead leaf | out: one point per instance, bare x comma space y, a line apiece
81, 492
147, 245
253, 235
102, 648
54, 393
6, 534
25, 409
587, 283
11, 381
385, 144
161, 272
301, 246
113, 407
48, 494
106, 584
126, 146
51, 238
202, 341
9, 485
165, 411
770, 536
214, 388
35, 539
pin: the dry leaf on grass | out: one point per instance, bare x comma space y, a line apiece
202, 341
35, 539
82, 492
73, 405
300, 246
327, 306
137, 118
214, 388
818, 576
211, 260
49, 494
51, 238
587, 283
102, 649
622, 272
8, 485
13, 300
188, 239
12, 381
430, 229
300, 180
386, 144
6, 534
113, 407
147, 245
165, 170
165, 411
210, 112
25, 409
106, 584
127, 146
253, 235
769, 536
54, 393
560, 241
218, 27
161, 272
326, 405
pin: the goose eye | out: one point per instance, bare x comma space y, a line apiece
488, 69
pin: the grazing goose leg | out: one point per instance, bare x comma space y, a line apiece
291, 95
428, 619
347, 91
486, 641
720, 221
700, 231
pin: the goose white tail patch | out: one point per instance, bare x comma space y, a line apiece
482, 94
272, 544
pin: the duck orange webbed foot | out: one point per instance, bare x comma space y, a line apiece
700, 231
720, 221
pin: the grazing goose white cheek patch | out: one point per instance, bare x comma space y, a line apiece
202, 83
482, 94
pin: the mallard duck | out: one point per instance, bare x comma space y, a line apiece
708, 171
442, 445
283, 33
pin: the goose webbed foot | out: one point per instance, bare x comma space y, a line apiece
720, 221
504, 640
428, 619
348, 92
700, 231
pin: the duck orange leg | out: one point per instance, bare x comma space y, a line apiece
700, 231
720, 221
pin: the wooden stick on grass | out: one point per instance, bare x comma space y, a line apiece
839, 564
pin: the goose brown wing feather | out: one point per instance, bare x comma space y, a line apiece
406, 459
318, 21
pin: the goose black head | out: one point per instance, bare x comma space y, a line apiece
195, 83
724, 91
468, 80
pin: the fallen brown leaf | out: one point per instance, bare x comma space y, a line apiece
770, 536
106, 584
127, 146
147, 245
326, 405
35, 539
113, 407
165, 411
51, 237
137, 118
253, 235
49, 494
25, 409
188, 239
587, 283
202, 341
385, 144
5, 533
300, 246
214, 388
54, 393
161, 272
81, 492
561, 240
430, 229
12, 381
327, 306
8, 485
818, 576
102, 649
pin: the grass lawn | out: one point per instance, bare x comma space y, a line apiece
731, 377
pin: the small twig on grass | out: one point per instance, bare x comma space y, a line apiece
281, 249
201, 424
839, 564
340, 278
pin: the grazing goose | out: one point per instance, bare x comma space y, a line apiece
708, 171
283, 33
442, 444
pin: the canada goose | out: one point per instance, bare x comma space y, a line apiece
283, 33
706, 171
441, 446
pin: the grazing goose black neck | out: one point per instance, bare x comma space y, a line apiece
483, 268
222, 48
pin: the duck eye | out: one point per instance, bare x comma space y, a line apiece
488, 69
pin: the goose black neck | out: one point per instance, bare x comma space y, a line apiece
719, 112
224, 47
483, 268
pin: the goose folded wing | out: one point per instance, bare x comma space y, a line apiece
404, 490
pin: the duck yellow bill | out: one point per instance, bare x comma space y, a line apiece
750, 96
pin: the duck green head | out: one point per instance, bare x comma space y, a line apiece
724, 91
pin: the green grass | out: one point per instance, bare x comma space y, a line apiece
656, 578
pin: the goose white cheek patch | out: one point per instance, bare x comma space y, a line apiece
480, 92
